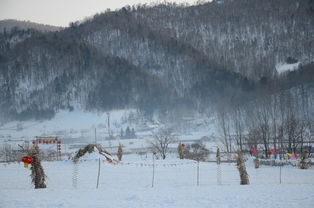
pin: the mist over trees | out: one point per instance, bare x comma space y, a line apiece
278, 117
155, 58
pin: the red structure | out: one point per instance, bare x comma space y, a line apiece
50, 140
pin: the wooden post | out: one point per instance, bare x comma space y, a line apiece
280, 172
98, 173
198, 173
95, 137
153, 170
108, 116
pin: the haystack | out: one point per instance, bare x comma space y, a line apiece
244, 176
93, 148
304, 164
256, 161
38, 173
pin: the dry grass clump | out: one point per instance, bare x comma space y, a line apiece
304, 164
181, 151
256, 161
244, 176
89, 149
38, 173
120, 152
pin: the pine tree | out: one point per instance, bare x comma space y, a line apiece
133, 133
127, 133
121, 133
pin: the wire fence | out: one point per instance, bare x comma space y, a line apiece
84, 174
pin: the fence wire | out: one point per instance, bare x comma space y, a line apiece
83, 175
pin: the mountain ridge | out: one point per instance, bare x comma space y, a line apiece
151, 58
8, 24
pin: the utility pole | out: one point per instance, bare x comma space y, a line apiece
198, 173
108, 115
109, 133
95, 137
98, 173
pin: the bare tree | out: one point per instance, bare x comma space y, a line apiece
161, 142
6, 150
238, 126
262, 114
223, 122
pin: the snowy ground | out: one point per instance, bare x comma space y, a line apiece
79, 124
130, 185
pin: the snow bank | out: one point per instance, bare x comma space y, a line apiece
284, 67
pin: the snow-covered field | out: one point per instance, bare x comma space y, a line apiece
80, 125
129, 184
77, 128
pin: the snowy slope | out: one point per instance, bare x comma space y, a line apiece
282, 68
129, 185
65, 123
77, 128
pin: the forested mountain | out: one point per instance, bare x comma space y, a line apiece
246, 36
157, 57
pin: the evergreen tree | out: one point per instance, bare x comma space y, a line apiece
121, 133
127, 133
133, 133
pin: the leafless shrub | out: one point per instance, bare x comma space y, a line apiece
196, 151
161, 142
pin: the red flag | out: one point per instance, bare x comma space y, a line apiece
275, 150
254, 150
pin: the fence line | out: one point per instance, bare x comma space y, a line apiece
83, 174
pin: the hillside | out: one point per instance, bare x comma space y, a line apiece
156, 58
9, 24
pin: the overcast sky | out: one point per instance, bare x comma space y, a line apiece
61, 12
